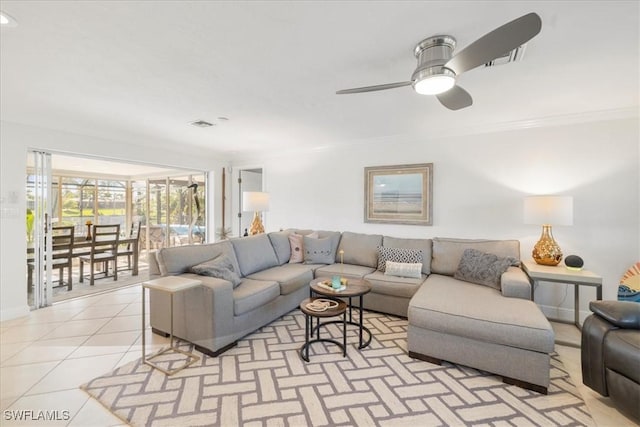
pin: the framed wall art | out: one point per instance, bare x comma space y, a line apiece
400, 194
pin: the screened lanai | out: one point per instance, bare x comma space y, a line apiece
160, 206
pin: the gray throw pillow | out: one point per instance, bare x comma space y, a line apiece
219, 267
318, 251
483, 268
402, 255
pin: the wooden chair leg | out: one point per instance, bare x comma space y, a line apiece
81, 271
70, 282
115, 268
92, 268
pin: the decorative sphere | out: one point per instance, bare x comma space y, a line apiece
574, 262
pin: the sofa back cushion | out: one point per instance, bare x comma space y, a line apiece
446, 253
254, 253
179, 259
359, 249
282, 247
420, 244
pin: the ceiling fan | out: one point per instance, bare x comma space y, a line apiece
437, 69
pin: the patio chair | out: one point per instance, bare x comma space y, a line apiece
61, 255
104, 248
127, 250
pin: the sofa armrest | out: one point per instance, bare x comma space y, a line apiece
203, 315
623, 314
594, 331
515, 283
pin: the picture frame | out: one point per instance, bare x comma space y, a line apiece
399, 194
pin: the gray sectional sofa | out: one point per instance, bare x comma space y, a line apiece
493, 326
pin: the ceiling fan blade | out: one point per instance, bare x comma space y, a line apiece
496, 43
455, 98
373, 88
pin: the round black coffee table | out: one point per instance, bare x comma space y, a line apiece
322, 308
355, 288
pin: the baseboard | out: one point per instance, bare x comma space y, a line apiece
563, 314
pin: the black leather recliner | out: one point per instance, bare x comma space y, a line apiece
611, 353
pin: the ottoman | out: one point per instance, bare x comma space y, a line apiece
473, 325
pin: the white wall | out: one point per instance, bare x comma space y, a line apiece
480, 182
15, 141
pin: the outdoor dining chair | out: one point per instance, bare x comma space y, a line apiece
127, 250
104, 249
61, 255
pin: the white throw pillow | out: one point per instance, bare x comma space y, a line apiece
404, 269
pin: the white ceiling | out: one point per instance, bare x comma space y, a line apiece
140, 71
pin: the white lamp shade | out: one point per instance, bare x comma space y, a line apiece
551, 210
255, 201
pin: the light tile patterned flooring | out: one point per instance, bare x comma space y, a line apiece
45, 356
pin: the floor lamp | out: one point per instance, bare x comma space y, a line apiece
256, 202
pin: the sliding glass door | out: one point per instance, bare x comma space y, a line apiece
41, 204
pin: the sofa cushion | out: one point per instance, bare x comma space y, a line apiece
384, 284
220, 267
180, 259
345, 270
360, 249
483, 268
404, 269
446, 253
421, 244
252, 294
291, 277
318, 251
386, 253
447, 305
254, 253
280, 242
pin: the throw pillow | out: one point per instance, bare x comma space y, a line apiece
318, 251
220, 267
397, 255
404, 269
297, 243
483, 268
297, 246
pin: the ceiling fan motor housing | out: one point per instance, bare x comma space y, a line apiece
432, 53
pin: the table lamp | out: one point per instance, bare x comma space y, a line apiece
547, 211
256, 202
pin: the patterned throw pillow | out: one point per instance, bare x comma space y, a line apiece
404, 269
220, 267
397, 255
483, 268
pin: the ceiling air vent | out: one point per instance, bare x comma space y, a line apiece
512, 56
201, 124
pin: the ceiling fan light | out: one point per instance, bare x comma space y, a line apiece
434, 84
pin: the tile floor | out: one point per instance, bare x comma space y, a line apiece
45, 356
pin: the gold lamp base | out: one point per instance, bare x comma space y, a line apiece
256, 225
547, 251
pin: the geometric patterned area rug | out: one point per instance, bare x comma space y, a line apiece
264, 382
